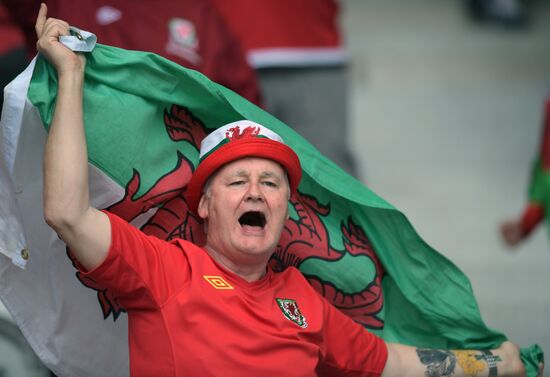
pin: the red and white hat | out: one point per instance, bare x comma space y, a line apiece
237, 140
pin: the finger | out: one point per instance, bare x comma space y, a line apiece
56, 21
51, 32
55, 27
41, 19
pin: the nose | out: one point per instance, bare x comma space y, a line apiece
254, 192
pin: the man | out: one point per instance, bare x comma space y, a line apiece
218, 310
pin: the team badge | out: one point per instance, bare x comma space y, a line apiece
183, 40
291, 312
183, 32
217, 282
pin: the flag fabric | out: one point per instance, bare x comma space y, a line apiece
145, 118
13, 241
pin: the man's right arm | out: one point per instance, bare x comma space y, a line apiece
411, 361
67, 207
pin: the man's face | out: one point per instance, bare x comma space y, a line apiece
246, 205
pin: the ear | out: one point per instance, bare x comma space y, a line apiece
203, 207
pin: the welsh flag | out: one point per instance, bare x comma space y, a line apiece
145, 118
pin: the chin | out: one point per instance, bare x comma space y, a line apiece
257, 248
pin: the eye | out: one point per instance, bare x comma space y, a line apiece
270, 184
237, 183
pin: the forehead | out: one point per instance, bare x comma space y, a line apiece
251, 166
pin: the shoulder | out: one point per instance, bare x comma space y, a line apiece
129, 234
186, 245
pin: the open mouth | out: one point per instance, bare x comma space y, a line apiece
253, 218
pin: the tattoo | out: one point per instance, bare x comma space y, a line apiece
471, 362
439, 363
491, 361
442, 363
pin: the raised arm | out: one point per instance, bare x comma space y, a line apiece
411, 361
67, 207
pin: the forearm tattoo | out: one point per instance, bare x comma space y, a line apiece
439, 363
491, 361
442, 363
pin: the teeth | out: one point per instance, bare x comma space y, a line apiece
253, 218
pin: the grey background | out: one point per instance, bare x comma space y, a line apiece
446, 121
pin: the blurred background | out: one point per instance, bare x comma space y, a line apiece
446, 122
445, 111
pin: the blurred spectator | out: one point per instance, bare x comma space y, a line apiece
187, 32
515, 231
509, 13
297, 49
12, 50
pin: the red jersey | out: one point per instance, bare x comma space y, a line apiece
188, 316
276, 33
188, 32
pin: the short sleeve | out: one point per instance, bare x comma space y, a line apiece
141, 271
350, 350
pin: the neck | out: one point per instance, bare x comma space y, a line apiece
249, 272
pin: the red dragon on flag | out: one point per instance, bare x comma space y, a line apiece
302, 239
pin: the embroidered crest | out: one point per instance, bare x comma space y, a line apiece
218, 282
291, 312
183, 40
183, 32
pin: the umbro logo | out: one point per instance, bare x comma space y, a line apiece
217, 282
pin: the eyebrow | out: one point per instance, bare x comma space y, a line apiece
244, 173
269, 174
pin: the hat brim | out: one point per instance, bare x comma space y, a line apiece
246, 147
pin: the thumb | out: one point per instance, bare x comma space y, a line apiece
41, 19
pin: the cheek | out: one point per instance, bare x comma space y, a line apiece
282, 207
221, 213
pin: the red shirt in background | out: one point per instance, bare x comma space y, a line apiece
188, 32
277, 33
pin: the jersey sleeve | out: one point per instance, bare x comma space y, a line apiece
141, 271
350, 350
532, 215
